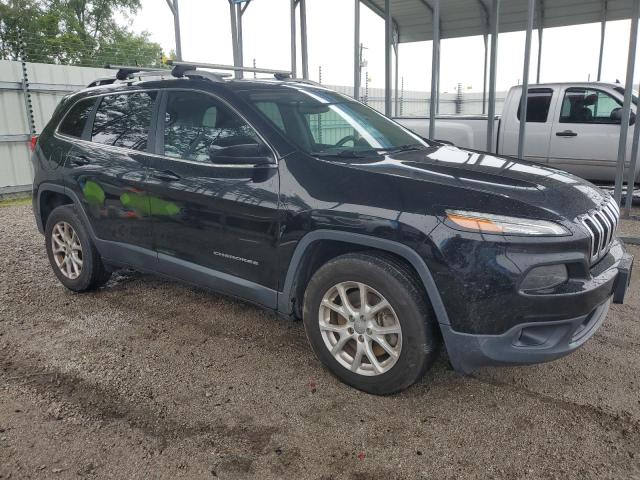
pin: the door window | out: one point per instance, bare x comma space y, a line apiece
123, 120
583, 105
75, 121
199, 127
538, 102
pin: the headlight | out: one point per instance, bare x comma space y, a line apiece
502, 225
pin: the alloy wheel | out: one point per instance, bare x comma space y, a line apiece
360, 328
67, 250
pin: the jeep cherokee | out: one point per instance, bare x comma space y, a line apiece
312, 205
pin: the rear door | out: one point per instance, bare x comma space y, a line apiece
214, 195
540, 105
106, 167
585, 136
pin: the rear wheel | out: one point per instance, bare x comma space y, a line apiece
72, 255
368, 320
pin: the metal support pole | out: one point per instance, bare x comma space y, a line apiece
293, 38
540, 30
493, 61
484, 74
438, 85
603, 27
303, 39
173, 6
396, 48
388, 32
357, 60
525, 80
234, 37
434, 68
631, 175
626, 106
239, 40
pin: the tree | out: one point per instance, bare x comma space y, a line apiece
74, 32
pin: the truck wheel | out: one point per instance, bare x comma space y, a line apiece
72, 254
369, 321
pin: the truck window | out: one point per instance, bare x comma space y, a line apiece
74, 122
123, 120
584, 105
538, 102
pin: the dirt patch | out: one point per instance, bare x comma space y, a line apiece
148, 378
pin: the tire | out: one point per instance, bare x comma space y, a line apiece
414, 345
89, 272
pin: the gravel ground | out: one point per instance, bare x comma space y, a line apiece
148, 378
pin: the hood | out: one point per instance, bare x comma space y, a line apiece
556, 192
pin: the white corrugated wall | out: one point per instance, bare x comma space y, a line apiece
48, 84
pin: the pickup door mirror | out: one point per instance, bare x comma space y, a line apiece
616, 116
251, 154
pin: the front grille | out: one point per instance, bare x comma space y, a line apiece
601, 226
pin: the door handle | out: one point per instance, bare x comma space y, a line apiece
166, 176
78, 161
566, 133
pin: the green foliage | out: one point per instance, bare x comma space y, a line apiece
74, 32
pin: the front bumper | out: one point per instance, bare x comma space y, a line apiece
538, 341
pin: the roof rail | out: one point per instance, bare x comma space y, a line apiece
101, 81
125, 71
280, 74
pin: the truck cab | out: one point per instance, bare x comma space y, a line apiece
570, 126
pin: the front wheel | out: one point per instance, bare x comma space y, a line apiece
368, 320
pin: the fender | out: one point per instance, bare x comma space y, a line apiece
410, 255
47, 187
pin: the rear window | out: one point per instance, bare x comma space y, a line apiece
538, 102
123, 120
75, 121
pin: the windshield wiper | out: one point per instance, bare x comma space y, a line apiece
369, 151
401, 148
342, 154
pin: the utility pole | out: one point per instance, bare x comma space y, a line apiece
173, 6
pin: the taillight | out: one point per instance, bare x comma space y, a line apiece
34, 142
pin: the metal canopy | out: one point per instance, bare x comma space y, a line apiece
465, 18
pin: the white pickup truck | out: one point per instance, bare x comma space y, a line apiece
570, 126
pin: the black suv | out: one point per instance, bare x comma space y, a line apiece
298, 199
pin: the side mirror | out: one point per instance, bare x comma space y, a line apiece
616, 116
251, 154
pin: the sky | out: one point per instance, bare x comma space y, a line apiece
206, 37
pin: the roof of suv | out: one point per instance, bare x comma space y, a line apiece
233, 84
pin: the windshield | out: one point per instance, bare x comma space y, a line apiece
324, 123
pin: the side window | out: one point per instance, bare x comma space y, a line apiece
538, 102
198, 127
123, 120
583, 105
75, 120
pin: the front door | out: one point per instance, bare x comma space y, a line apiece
214, 195
585, 136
